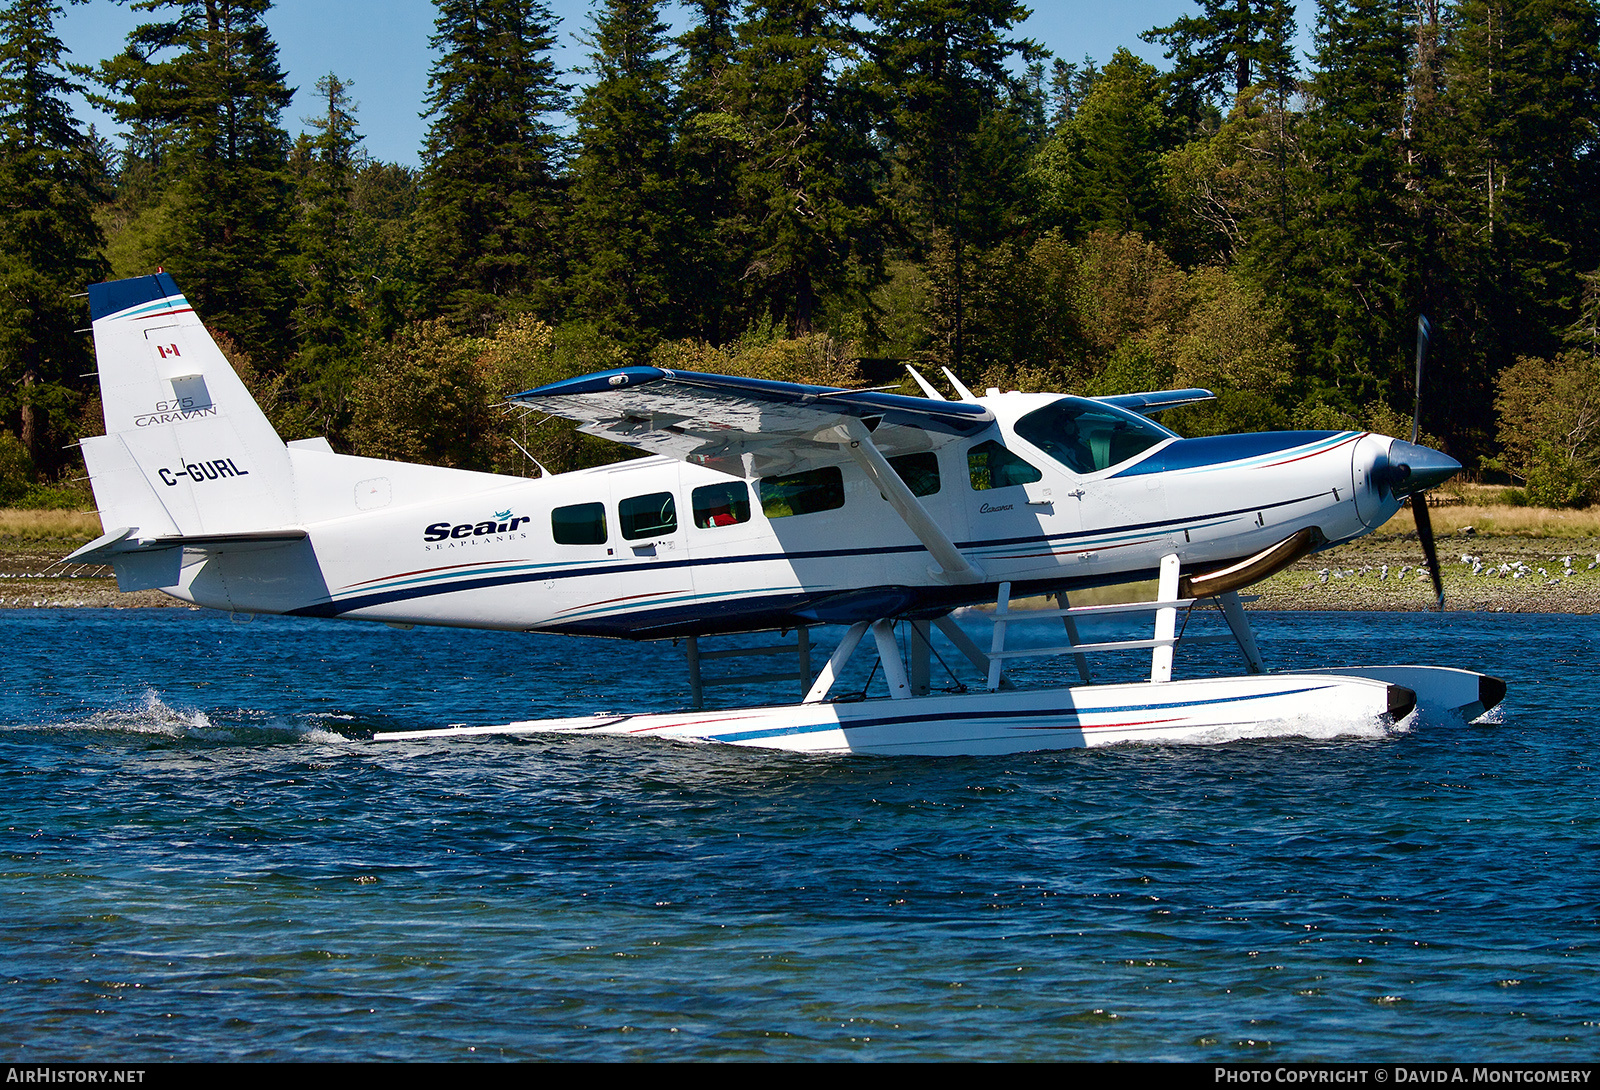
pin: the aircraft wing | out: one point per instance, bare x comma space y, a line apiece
1155, 401
746, 426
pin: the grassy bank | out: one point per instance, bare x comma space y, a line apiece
1483, 510
23, 524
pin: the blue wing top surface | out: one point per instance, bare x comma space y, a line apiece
1155, 401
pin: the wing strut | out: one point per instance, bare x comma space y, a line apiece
857, 442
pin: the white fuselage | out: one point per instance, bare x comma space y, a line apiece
413, 544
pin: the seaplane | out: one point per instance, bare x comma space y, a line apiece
773, 507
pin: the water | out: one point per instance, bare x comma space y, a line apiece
202, 857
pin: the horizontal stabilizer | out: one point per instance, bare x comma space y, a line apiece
1155, 401
121, 542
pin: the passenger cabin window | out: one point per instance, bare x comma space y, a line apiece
721, 504
993, 466
1086, 437
580, 524
647, 516
920, 472
802, 493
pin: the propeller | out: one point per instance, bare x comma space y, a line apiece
1419, 511
1410, 470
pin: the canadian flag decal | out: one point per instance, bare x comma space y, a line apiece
167, 350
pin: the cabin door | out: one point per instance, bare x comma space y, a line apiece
652, 573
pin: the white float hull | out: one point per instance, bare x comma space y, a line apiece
1263, 705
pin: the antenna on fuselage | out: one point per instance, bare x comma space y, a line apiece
543, 472
966, 394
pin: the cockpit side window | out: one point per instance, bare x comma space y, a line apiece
1086, 437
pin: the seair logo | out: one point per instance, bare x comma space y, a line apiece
200, 472
502, 523
170, 412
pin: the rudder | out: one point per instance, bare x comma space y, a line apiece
187, 451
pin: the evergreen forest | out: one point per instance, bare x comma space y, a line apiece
823, 191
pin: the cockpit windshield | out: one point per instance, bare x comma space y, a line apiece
1088, 436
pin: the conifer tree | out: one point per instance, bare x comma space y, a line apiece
951, 98
1230, 46
1347, 263
960, 144
489, 226
809, 169
1102, 170
707, 155
1516, 188
326, 318
206, 92
1070, 84
623, 195
49, 242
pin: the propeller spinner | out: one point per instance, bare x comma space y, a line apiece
1408, 469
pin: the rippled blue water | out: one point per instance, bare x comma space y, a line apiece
203, 857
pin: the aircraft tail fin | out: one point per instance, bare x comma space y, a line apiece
187, 451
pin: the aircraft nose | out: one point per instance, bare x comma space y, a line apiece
1412, 468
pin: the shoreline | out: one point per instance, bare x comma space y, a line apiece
1375, 574
1482, 573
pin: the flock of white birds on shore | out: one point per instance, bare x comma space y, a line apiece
1506, 569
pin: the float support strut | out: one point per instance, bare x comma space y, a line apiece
1239, 624
997, 643
697, 690
920, 653
841, 655
956, 635
1072, 637
894, 670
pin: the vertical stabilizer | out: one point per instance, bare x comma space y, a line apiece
187, 451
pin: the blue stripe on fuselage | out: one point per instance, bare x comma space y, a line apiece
1212, 450
485, 578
